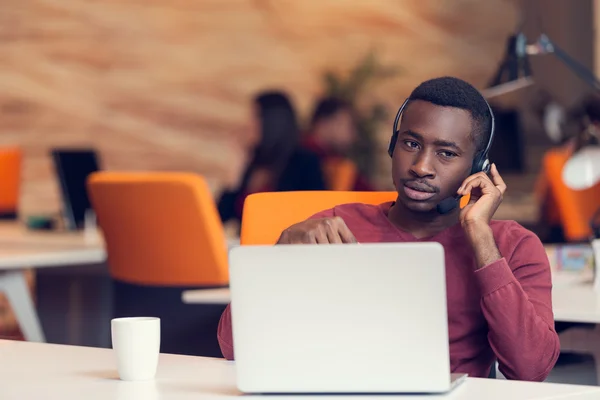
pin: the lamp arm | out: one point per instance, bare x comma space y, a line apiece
586, 75
547, 46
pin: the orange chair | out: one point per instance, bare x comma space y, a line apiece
267, 214
573, 209
160, 229
10, 180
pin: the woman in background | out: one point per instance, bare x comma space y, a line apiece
332, 135
278, 162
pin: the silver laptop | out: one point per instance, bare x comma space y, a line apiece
364, 318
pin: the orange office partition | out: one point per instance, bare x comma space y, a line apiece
10, 180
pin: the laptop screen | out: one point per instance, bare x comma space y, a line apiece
73, 168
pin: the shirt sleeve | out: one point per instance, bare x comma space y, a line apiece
225, 335
516, 299
330, 213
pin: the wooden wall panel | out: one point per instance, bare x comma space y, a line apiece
166, 85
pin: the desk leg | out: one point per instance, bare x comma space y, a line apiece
14, 285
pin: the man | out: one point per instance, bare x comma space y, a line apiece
497, 272
332, 134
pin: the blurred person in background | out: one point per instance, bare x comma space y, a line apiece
332, 134
278, 162
565, 212
586, 118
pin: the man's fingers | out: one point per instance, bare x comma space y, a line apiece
482, 179
476, 181
497, 179
332, 232
461, 189
347, 236
334, 237
321, 236
479, 187
344, 232
323, 231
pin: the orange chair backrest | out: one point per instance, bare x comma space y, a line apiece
10, 178
160, 228
267, 214
575, 207
340, 174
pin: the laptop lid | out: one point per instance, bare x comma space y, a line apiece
364, 318
73, 166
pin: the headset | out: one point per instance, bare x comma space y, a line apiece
481, 163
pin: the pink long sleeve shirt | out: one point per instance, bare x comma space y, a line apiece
502, 311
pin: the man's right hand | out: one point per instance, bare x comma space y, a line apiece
318, 231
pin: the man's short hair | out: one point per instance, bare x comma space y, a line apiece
328, 107
453, 92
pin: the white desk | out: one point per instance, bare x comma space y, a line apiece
45, 371
573, 298
21, 249
572, 303
206, 296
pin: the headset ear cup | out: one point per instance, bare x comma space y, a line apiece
394, 137
393, 144
485, 167
480, 165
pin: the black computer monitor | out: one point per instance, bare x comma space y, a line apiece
73, 167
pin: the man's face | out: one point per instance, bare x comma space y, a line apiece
433, 154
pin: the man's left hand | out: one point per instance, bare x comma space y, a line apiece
486, 196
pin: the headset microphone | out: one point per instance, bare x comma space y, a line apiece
448, 204
481, 162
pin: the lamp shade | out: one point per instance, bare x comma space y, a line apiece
582, 171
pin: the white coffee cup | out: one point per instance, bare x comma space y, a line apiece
136, 343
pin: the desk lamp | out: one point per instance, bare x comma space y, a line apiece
515, 66
582, 170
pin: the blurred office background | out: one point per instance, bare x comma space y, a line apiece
172, 85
